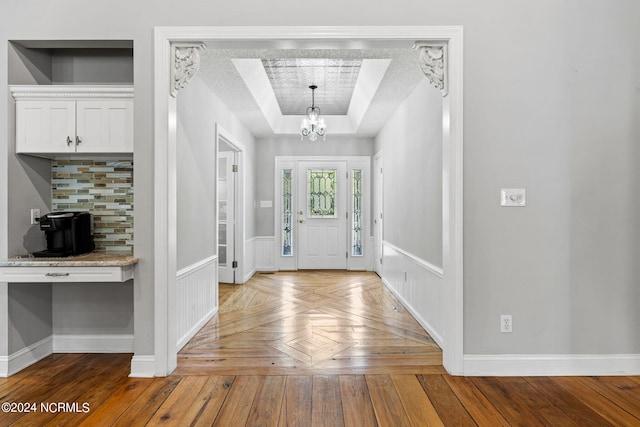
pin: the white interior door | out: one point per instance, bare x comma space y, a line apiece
377, 215
226, 216
322, 215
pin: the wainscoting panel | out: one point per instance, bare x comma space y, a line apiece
197, 297
264, 253
419, 285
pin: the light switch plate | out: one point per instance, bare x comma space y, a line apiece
266, 203
512, 197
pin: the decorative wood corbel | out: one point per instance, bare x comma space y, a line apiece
185, 61
433, 61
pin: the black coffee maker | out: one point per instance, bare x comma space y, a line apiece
68, 233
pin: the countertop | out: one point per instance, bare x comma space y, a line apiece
84, 260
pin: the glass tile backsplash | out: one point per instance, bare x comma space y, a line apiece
104, 188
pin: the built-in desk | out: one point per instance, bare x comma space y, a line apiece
77, 304
93, 267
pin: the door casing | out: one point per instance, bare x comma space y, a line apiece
164, 359
291, 262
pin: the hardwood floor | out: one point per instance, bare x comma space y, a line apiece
313, 384
310, 322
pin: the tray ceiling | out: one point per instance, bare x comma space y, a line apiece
247, 79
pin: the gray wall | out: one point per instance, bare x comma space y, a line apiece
268, 148
30, 314
87, 66
92, 308
551, 104
69, 66
29, 66
412, 144
198, 112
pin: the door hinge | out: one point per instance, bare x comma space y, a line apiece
234, 168
234, 264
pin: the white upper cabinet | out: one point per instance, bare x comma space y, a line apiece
45, 126
104, 126
56, 120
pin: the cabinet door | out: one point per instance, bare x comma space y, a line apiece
104, 126
45, 126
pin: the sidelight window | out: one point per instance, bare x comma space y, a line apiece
287, 213
356, 214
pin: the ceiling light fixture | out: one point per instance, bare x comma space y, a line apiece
313, 126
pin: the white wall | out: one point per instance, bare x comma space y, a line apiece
551, 104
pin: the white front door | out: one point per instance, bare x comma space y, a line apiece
226, 216
321, 215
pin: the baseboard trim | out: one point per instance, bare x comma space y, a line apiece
143, 367
194, 330
551, 364
25, 357
247, 277
426, 325
120, 343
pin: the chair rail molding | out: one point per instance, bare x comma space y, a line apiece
433, 61
185, 64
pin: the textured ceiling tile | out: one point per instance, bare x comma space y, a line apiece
291, 77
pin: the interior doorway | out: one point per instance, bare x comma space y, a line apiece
226, 209
378, 215
451, 300
230, 207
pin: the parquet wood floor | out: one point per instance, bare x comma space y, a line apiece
331, 374
310, 322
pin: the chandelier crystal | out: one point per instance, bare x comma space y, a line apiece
313, 126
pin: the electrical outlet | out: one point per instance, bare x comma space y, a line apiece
35, 216
506, 325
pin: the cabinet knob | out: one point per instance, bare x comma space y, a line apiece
69, 141
78, 140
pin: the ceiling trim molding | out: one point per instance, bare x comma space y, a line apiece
185, 62
433, 62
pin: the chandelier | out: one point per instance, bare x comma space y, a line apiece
313, 126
